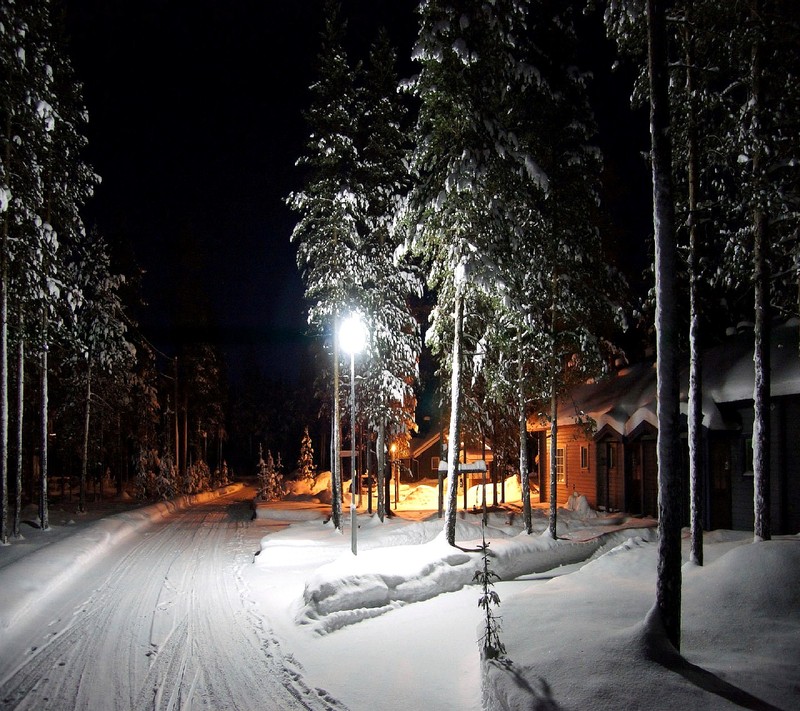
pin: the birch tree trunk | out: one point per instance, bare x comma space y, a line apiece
668, 578
86, 419
44, 513
4, 280
17, 528
524, 474
695, 414
552, 518
380, 446
455, 418
761, 355
4, 386
336, 439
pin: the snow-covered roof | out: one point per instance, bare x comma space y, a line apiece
728, 368
417, 447
626, 399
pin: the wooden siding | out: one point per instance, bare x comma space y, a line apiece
582, 480
790, 488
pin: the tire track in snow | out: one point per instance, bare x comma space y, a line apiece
170, 626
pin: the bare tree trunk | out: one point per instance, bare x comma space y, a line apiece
761, 355
455, 418
380, 453
44, 513
184, 470
553, 520
668, 579
4, 386
695, 415
524, 474
4, 281
86, 418
17, 532
336, 444
177, 425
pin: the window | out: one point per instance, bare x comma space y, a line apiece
434, 464
584, 457
561, 474
611, 456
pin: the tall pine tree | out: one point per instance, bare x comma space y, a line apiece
470, 65
330, 209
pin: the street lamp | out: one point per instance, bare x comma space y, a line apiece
353, 338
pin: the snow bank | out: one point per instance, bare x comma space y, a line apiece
351, 588
29, 580
316, 491
739, 634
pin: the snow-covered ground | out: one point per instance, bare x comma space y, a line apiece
399, 624
397, 627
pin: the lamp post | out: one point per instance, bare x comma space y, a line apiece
353, 338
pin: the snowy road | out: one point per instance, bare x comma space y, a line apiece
165, 622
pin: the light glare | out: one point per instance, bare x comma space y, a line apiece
353, 334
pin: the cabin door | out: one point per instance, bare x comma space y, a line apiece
720, 476
633, 480
649, 478
609, 485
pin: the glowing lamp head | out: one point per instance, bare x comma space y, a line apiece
353, 334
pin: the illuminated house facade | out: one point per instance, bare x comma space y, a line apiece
614, 463
423, 457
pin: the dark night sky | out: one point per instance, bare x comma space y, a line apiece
195, 125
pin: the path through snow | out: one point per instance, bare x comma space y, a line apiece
165, 622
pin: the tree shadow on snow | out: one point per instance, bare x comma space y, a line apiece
659, 650
710, 682
538, 691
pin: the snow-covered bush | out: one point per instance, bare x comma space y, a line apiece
166, 478
491, 646
270, 480
222, 475
197, 478
155, 476
305, 464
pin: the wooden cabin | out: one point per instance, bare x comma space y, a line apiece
424, 455
614, 464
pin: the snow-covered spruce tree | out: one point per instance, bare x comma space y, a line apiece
142, 415
305, 463
270, 480
202, 369
509, 356
48, 213
165, 484
330, 209
491, 645
23, 102
389, 280
469, 67
261, 472
559, 311
98, 337
198, 477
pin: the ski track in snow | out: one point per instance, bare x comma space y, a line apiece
171, 626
